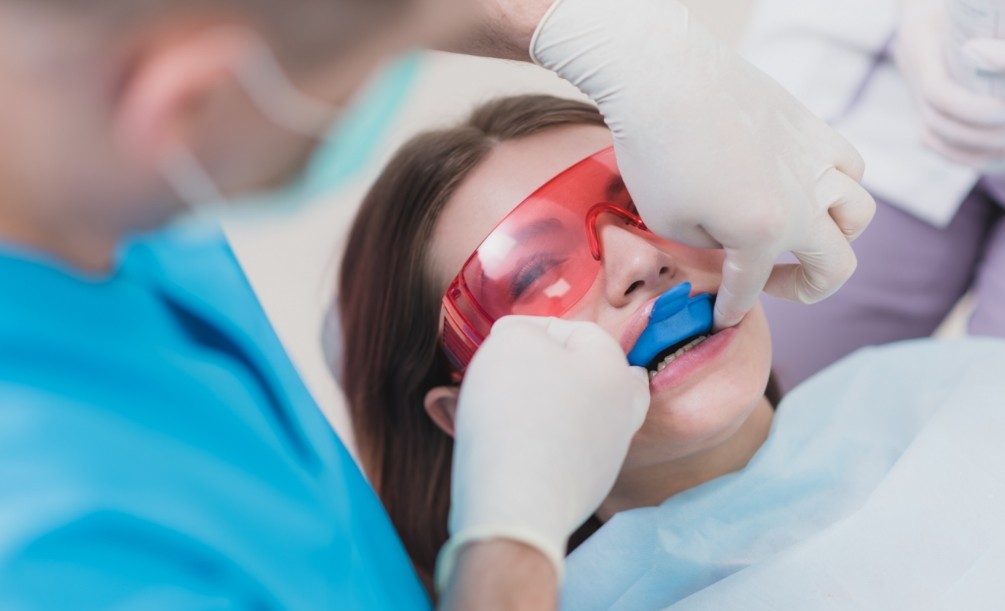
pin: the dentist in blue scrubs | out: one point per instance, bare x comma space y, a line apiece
158, 449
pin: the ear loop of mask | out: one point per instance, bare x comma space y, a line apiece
292, 109
190, 180
262, 77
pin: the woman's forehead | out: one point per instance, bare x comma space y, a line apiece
510, 173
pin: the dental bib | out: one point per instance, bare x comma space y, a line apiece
676, 316
879, 487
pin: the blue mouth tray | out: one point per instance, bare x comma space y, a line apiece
676, 316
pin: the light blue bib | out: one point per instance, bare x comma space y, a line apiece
881, 486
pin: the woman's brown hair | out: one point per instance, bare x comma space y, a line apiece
390, 308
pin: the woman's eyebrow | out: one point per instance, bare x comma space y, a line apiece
615, 186
537, 228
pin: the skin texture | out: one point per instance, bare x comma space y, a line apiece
706, 424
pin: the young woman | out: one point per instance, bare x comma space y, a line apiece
444, 197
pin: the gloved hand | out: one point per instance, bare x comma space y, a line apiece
714, 152
962, 125
544, 420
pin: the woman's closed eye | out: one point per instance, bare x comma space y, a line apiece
531, 272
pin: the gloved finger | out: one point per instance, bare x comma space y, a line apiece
694, 236
981, 160
849, 160
573, 335
821, 271
539, 322
953, 100
554, 329
586, 337
985, 55
849, 204
959, 133
744, 273
691, 235
935, 86
641, 397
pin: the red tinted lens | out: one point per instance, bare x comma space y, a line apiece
540, 260
539, 264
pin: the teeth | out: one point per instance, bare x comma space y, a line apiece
672, 357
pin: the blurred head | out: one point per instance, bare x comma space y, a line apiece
431, 208
98, 95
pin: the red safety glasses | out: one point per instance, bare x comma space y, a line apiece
541, 260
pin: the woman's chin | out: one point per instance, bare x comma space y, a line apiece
679, 428
709, 407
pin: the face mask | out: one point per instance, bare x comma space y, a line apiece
343, 150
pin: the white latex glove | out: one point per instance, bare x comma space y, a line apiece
714, 152
545, 417
963, 126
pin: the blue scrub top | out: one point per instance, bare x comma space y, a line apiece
159, 451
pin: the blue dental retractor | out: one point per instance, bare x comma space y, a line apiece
676, 316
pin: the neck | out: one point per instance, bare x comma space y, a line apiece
75, 243
649, 486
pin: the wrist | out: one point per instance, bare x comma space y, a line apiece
448, 563
642, 63
520, 20
502, 574
501, 28
599, 47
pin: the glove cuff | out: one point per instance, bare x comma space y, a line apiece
583, 40
447, 560
612, 52
534, 41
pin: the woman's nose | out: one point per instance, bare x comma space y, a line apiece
634, 267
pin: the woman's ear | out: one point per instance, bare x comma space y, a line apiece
441, 406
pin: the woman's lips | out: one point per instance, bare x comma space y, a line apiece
636, 325
639, 320
686, 365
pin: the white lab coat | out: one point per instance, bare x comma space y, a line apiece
830, 55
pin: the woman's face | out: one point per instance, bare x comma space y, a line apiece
699, 400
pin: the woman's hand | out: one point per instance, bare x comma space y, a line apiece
546, 413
